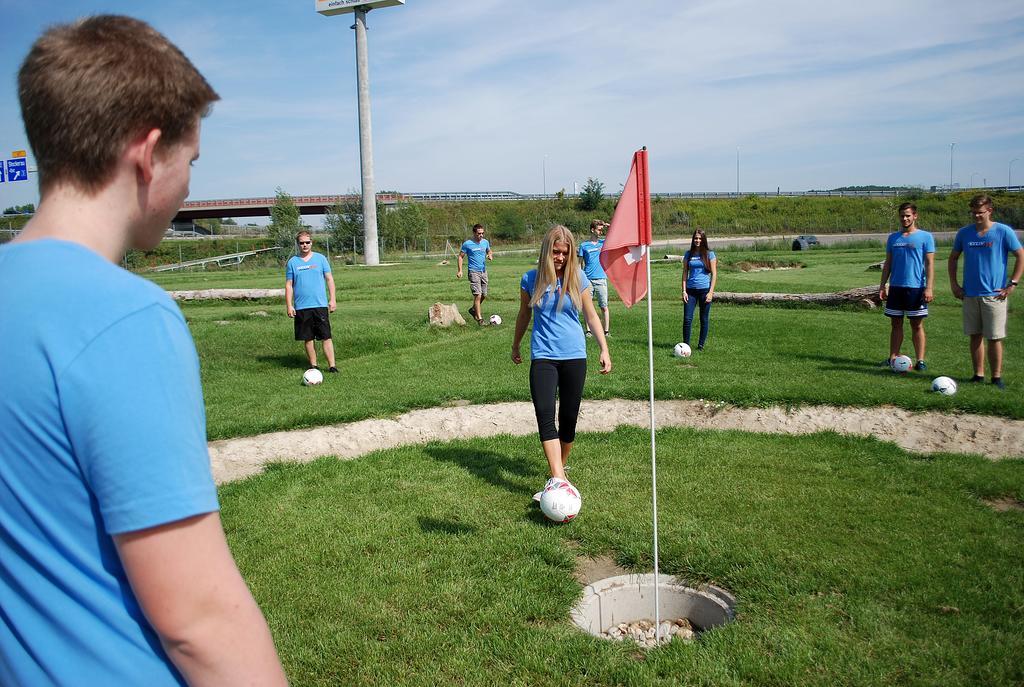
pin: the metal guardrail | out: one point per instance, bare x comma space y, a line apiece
221, 260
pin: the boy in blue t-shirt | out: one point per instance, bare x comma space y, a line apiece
114, 569
306, 301
985, 245
908, 278
477, 250
590, 254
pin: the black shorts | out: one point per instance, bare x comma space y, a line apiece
312, 323
906, 300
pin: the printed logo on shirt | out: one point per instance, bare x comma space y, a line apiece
980, 244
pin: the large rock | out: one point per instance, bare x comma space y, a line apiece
444, 315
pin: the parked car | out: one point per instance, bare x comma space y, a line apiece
805, 241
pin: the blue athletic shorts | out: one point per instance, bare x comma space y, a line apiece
906, 301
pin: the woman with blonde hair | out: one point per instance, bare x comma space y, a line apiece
553, 295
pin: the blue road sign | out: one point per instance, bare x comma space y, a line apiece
17, 169
2, 177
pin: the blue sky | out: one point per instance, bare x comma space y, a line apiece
500, 95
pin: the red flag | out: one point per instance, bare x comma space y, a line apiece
629, 236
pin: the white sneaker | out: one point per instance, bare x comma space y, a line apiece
552, 481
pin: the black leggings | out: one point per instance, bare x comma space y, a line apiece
567, 377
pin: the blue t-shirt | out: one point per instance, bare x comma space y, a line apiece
476, 253
104, 432
557, 334
908, 257
590, 251
698, 276
307, 278
985, 257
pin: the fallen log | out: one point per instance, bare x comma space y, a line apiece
226, 294
866, 296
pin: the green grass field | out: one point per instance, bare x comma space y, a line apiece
852, 561
391, 361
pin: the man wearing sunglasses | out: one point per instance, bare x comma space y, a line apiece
308, 303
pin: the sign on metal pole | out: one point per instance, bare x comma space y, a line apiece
332, 7
3, 178
18, 153
17, 169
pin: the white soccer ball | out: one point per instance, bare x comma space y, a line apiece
560, 502
495, 319
312, 377
944, 385
681, 350
901, 364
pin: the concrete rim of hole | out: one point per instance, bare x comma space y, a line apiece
630, 598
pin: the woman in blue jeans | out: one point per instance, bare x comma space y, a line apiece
700, 272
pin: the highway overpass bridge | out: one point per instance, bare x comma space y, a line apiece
318, 205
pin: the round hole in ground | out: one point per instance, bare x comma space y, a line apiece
617, 607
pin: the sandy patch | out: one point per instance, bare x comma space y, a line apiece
1004, 504
922, 432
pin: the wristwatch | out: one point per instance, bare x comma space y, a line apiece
1013, 283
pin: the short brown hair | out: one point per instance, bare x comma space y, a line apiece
981, 200
302, 233
906, 206
87, 88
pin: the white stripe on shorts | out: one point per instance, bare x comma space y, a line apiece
923, 312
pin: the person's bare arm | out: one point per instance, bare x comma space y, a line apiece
189, 587
490, 255
929, 277
1018, 271
458, 275
522, 321
594, 321
954, 286
332, 303
883, 287
686, 271
289, 298
714, 279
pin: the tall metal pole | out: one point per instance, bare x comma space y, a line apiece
1009, 173
544, 172
737, 170
951, 146
370, 251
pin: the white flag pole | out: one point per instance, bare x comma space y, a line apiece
654, 461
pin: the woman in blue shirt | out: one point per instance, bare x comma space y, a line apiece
553, 295
700, 272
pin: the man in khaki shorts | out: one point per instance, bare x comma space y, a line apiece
985, 246
477, 250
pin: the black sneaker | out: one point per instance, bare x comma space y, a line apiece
607, 333
921, 366
976, 379
998, 383
332, 369
886, 363
589, 335
700, 347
